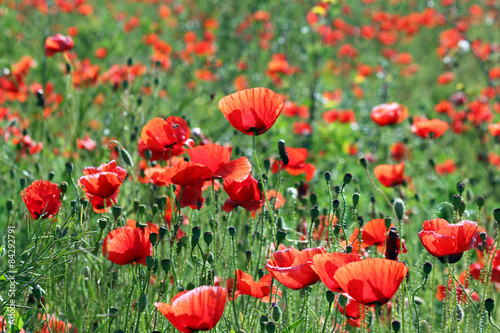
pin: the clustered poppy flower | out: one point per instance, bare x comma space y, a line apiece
195, 310
292, 267
448, 241
389, 114
42, 198
127, 245
371, 281
101, 185
252, 111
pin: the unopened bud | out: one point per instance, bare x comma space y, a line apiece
427, 268
460, 187
480, 202
363, 162
330, 296
166, 264
208, 237
280, 235
276, 314
313, 198
347, 178
63, 187
232, 231
51, 175
399, 208
396, 325
126, 157
314, 212
328, 176
355, 199
456, 200
117, 211
282, 151
69, 167
489, 305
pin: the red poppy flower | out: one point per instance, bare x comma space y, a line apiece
446, 168
252, 111
86, 143
127, 245
218, 160
245, 285
448, 241
389, 114
292, 267
353, 311
245, 194
326, 264
42, 198
494, 129
296, 163
102, 185
54, 325
390, 175
371, 281
424, 128
398, 151
165, 136
373, 232
199, 309
184, 174
58, 43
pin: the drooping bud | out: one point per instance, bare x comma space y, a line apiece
363, 162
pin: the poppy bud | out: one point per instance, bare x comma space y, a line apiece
343, 301
155, 209
336, 188
280, 235
85, 203
142, 209
166, 264
496, 214
461, 208
150, 261
432, 163
328, 176
314, 212
263, 321
196, 233
248, 255
148, 154
330, 296
9, 205
136, 205
51, 175
143, 302
360, 221
363, 162
399, 208
207, 237
37, 291
276, 314
130, 62
355, 199
261, 273
232, 231
162, 232
348, 249
347, 178
388, 222
153, 238
279, 222
112, 312
480, 202
39, 97
396, 325
127, 159
460, 187
267, 164
210, 258
313, 198
69, 167
117, 211
427, 268
282, 152
456, 200
489, 305
22, 182
270, 327
336, 203
102, 223
483, 236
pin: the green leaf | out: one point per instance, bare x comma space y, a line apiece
293, 326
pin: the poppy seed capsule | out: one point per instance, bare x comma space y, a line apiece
427, 268
142, 209
456, 200
483, 236
480, 202
270, 327
348, 249
263, 321
69, 167
117, 211
166, 264
282, 152
37, 291
153, 238
396, 325
150, 261
489, 305
102, 223
267, 164
248, 255
313, 198
461, 208
388, 222
347, 178
208, 237
328, 176
162, 232
155, 209
22, 182
261, 273
336, 203
343, 300
460, 187
196, 233
330, 296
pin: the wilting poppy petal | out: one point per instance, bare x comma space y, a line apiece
371, 281
199, 309
252, 111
